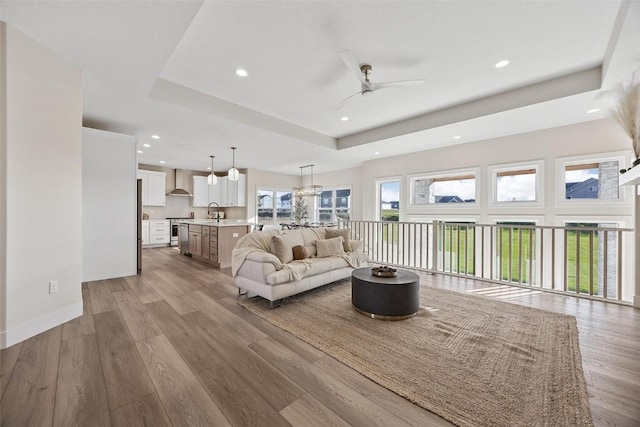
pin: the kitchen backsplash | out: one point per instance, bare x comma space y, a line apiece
180, 207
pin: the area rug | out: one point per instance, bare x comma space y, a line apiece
469, 359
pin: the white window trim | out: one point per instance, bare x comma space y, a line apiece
273, 190
493, 171
376, 189
621, 157
444, 174
318, 203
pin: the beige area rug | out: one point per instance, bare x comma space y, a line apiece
471, 360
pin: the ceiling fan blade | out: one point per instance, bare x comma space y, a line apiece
342, 103
385, 85
352, 64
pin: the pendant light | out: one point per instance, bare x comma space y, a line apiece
234, 174
212, 179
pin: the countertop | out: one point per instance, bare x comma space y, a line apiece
214, 223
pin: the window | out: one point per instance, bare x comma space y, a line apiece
274, 207
443, 189
334, 205
516, 186
517, 183
389, 200
597, 180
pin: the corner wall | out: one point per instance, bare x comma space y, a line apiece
108, 205
42, 202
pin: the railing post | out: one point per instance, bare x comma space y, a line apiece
434, 247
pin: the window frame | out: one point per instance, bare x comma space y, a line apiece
274, 193
377, 186
318, 203
452, 173
495, 170
622, 158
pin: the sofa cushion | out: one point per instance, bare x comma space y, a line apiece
345, 233
318, 266
330, 247
356, 246
312, 251
282, 249
299, 252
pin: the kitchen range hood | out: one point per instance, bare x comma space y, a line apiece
180, 187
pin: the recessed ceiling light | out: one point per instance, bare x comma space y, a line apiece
457, 137
593, 110
344, 118
241, 72
155, 137
501, 64
140, 151
162, 162
376, 153
146, 145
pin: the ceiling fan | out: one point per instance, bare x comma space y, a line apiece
367, 87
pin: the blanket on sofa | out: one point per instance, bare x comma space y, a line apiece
251, 242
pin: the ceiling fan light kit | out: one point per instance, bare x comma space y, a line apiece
233, 173
362, 72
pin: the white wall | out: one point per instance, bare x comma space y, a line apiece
108, 205
43, 199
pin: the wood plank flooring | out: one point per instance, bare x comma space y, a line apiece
172, 347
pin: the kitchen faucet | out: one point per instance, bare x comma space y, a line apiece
217, 212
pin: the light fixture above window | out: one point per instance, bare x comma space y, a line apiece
233, 173
212, 179
307, 190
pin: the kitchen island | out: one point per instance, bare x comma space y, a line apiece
212, 242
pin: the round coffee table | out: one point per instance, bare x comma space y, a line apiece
386, 298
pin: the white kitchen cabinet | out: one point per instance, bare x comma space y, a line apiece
145, 232
214, 192
153, 187
203, 193
233, 193
200, 191
159, 232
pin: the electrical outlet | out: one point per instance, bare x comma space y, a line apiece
53, 286
235, 234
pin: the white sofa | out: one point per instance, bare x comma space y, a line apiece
262, 264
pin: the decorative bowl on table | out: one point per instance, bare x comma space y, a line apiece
383, 271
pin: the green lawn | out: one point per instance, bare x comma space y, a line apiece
454, 259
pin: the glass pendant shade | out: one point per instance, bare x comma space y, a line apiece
233, 174
212, 179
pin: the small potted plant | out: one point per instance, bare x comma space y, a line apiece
300, 211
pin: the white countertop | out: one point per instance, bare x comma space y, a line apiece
214, 223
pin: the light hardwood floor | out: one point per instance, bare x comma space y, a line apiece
172, 347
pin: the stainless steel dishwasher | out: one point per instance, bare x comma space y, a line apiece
184, 239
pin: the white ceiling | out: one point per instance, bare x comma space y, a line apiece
167, 68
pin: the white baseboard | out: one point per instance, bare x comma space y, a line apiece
36, 326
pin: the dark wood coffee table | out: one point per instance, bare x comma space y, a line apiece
386, 298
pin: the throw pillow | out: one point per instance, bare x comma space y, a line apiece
355, 245
282, 249
344, 232
330, 247
311, 251
299, 252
